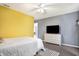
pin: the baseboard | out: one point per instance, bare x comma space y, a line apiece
50, 43
71, 45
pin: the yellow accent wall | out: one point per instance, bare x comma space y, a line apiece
13, 23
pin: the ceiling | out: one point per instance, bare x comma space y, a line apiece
53, 9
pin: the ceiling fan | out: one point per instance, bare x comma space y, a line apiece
42, 7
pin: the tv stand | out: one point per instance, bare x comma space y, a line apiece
52, 38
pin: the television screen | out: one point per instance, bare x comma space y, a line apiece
52, 29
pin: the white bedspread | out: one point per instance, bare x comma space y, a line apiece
21, 46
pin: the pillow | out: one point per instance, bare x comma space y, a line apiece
1, 40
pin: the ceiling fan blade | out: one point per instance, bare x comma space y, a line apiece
36, 6
41, 11
34, 9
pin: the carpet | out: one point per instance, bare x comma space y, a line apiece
48, 52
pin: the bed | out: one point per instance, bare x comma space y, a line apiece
22, 46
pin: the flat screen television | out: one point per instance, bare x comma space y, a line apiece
52, 29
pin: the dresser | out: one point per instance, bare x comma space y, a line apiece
52, 38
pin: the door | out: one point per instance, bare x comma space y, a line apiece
35, 29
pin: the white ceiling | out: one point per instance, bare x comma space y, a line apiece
54, 9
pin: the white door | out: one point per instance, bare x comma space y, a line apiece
36, 29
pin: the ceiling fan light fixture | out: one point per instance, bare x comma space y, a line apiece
40, 10
45, 8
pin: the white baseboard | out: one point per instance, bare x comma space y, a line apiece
71, 45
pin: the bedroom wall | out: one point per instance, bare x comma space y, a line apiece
14, 23
69, 28
46, 22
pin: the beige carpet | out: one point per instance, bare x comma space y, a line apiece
48, 52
